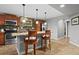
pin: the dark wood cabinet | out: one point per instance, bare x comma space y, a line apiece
38, 25
2, 38
2, 19
12, 17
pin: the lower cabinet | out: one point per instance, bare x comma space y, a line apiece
2, 38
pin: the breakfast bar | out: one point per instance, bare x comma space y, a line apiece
20, 36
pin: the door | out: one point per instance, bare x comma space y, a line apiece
67, 27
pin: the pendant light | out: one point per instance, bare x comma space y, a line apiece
23, 18
36, 13
37, 16
45, 18
23, 10
45, 15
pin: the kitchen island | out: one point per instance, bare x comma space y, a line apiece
20, 36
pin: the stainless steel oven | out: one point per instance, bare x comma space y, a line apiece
10, 27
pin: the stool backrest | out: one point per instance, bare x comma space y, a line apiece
48, 32
32, 35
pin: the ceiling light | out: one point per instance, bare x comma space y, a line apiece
62, 5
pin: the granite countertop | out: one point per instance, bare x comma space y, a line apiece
25, 33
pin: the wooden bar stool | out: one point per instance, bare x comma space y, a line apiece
46, 37
31, 39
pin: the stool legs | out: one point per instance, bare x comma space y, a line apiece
34, 49
26, 52
45, 45
49, 44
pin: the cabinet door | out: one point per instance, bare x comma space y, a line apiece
1, 41
1, 38
1, 20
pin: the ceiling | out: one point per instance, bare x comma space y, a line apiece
30, 10
69, 9
53, 10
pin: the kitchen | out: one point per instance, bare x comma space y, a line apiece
13, 29
39, 29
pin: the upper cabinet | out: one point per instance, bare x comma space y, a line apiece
13, 18
5, 17
38, 25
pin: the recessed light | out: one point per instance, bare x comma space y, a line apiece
62, 5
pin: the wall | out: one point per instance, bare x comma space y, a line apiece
52, 25
73, 31
57, 26
57, 30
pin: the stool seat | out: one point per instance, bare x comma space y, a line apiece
26, 38
31, 38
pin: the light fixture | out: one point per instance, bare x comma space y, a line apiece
23, 19
45, 23
37, 16
2, 30
62, 5
36, 13
37, 22
45, 15
23, 9
45, 18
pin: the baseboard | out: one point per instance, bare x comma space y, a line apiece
74, 43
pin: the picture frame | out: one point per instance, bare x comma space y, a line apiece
75, 20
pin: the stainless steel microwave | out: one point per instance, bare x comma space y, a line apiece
10, 22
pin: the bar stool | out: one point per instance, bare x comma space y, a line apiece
46, 37
31, 39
